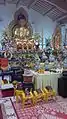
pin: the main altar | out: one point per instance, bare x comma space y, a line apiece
21, 51
18, 44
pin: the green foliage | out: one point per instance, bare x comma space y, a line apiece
48, 41
36, 36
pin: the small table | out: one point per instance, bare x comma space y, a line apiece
44, 79
7, 90
28, 81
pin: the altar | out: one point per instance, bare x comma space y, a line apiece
42, 80
23, 50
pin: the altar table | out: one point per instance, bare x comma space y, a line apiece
42, 80
7, 90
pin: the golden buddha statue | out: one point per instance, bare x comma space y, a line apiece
57, 39
22, 31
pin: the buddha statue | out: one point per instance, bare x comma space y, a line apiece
57, 39
22, 34
22, 31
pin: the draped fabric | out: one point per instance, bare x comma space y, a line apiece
4, 63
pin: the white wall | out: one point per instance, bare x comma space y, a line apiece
40, 22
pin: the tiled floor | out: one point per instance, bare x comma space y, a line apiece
51, 110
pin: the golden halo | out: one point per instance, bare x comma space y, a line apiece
20, 11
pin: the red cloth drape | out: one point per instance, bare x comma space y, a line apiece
4, 63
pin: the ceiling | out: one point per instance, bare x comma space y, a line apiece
54, 9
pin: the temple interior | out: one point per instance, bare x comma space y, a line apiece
33, 59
